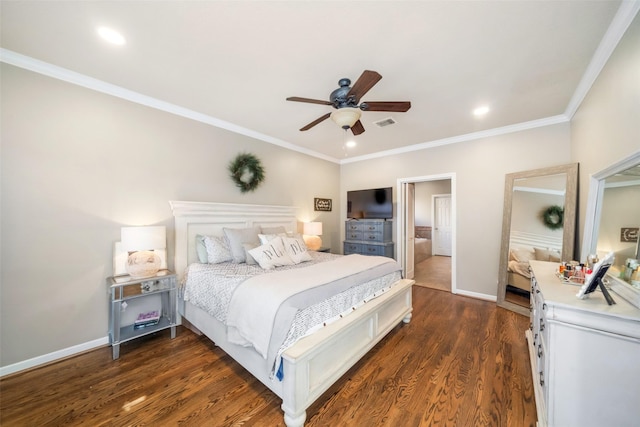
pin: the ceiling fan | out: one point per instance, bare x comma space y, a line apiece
345, 100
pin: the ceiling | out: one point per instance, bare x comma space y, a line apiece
234, 63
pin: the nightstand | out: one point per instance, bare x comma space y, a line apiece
125, 290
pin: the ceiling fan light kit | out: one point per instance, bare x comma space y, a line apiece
345, 100
346, 117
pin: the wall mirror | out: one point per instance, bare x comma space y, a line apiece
612, 222
538, 222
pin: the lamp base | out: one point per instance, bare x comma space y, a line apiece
142, 264
313, 242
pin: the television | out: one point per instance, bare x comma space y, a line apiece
374, 203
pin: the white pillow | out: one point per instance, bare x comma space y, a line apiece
217, 250
271, 254
266, 238
237, 237
296, 249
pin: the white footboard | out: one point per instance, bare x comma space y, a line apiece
314, 363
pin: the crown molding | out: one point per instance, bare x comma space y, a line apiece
464, 138
66, 75
624, 16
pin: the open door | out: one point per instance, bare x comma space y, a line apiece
409, 190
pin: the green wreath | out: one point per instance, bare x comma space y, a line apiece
246, 172
553, 217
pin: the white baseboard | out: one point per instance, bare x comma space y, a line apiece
51, 357
477, 295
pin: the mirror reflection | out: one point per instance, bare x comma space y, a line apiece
619, 224
538, 223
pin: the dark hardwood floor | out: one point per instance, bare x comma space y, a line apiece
460, 362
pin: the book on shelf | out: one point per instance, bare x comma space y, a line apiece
146, 319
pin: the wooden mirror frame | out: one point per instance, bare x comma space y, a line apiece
568, 231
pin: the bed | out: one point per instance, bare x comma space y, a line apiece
316, 361
422, 243
524, 247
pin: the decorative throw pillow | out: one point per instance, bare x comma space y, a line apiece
237, 237
272, 254
217, 250
522, 255
547, 255
296, 249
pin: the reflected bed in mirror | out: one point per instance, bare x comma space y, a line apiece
538, 224
612, 221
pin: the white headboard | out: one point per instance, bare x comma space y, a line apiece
522, 238
193, 218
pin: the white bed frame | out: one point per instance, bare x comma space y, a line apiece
315, 362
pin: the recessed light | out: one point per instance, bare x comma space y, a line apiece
351, 144
111, 35
481, 111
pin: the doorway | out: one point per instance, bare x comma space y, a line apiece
438, 269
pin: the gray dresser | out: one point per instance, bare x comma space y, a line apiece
369, 237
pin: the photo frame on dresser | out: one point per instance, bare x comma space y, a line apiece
595, 280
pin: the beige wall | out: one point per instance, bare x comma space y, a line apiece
76, 166
480, 167
606, 127
423, 198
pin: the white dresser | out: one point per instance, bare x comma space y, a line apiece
585, 355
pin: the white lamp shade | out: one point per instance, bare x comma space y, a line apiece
346, 117
312, 228
143, 238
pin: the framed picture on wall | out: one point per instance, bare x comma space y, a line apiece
322, 204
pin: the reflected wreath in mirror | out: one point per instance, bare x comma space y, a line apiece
246, 171
553, 217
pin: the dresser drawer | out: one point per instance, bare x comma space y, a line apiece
354, 226
369, 236
352, 248
373, 250
354, 235
372, 227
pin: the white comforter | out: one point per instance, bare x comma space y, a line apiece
262, 308
211, 287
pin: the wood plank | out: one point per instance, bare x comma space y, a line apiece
460, 361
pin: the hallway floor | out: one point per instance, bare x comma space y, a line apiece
434, 272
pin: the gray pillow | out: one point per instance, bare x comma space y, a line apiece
217, 250
237, 237
201, 249
274, 230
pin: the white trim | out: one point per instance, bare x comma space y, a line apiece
66, 75
477, 295
52, 357
594, 207
463, 138
400, 249
621, 21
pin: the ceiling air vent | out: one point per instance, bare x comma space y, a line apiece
385, 122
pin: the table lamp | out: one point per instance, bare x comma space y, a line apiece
140, 242
312, 232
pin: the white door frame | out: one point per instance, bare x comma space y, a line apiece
402, 206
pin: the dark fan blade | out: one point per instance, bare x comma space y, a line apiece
316, 121
399, 107
311, 101
366, 81
357, 128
